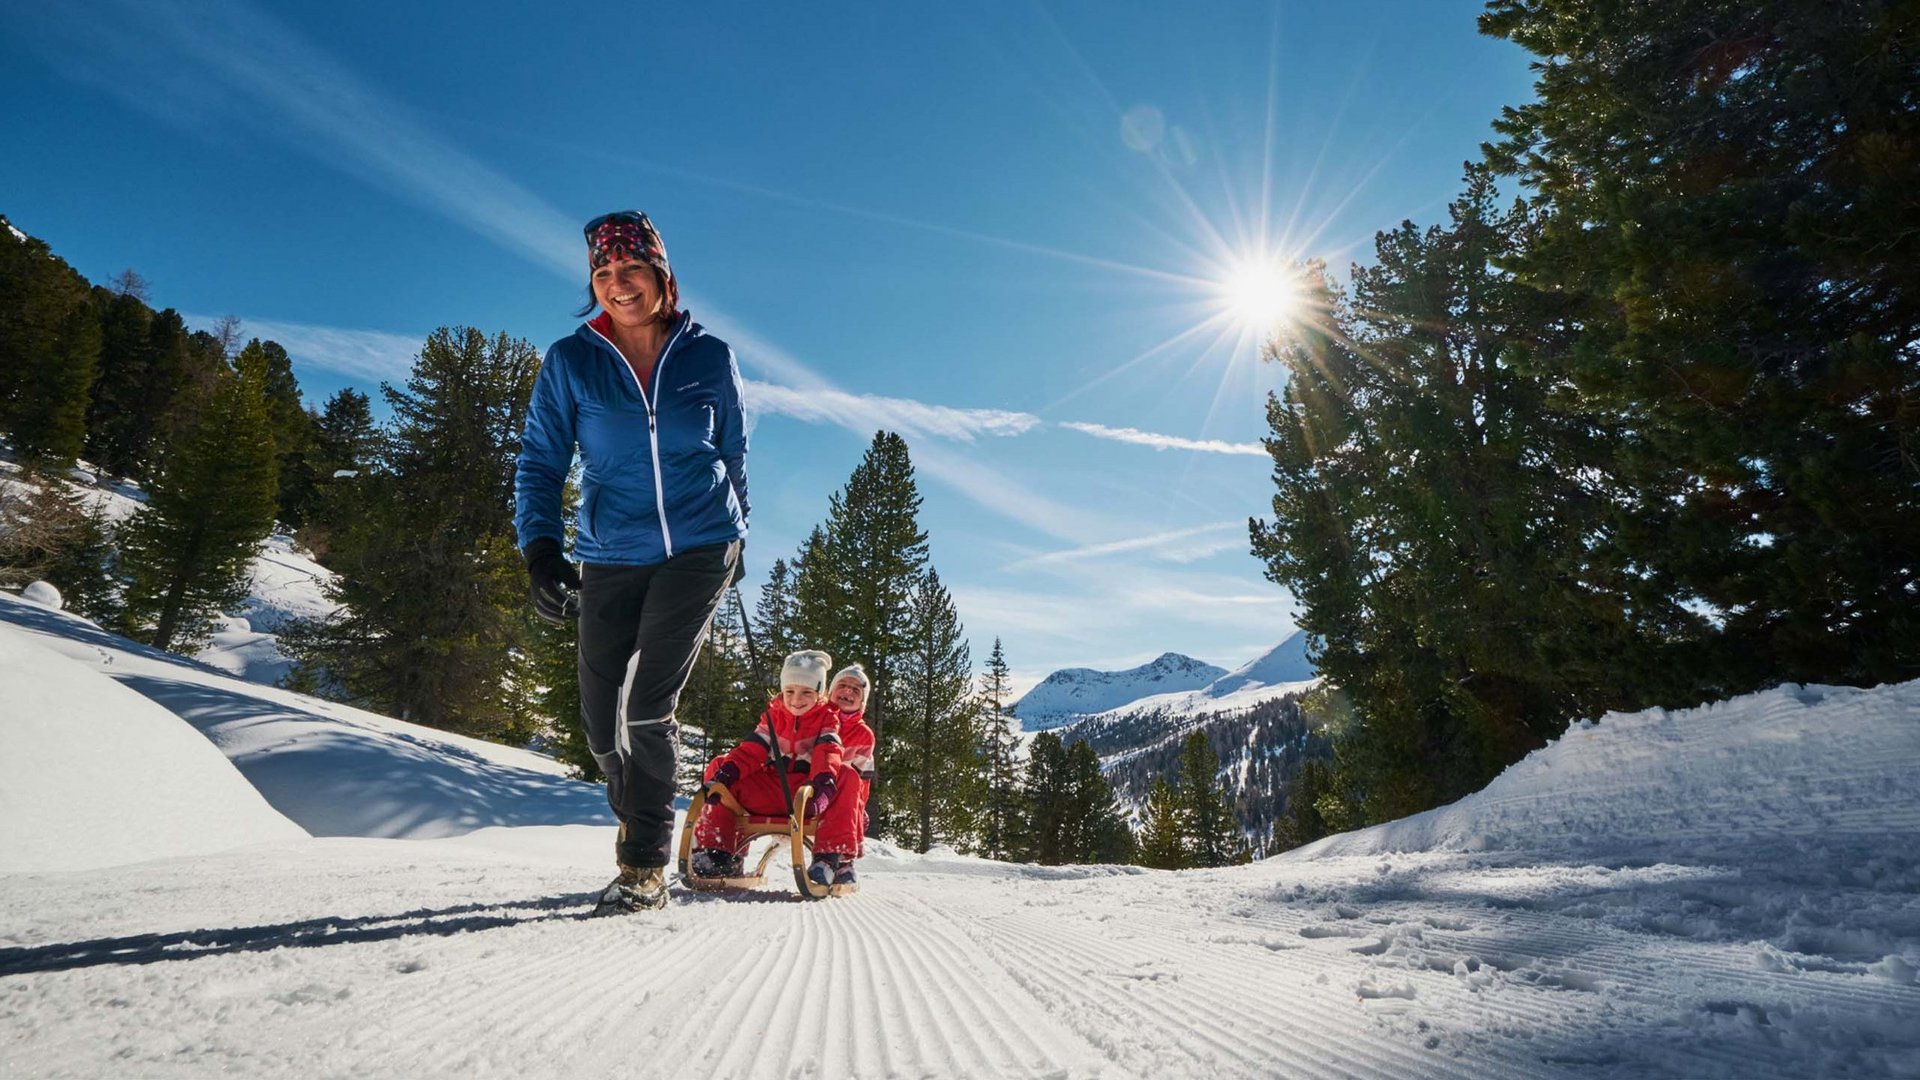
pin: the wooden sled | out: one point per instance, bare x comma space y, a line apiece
794, 826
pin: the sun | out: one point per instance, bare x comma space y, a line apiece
1260, 293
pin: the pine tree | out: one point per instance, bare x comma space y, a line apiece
854, 585
1435, 513
186, 556
1000, 806
1212, 837
1096, 830
49, 352
721, 702
345, 445
431, 583
1048, 796
294, 434
1163, 836
771, 629
1726, 193
932, 755
1302, 822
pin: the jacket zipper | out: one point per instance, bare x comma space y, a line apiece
653, 427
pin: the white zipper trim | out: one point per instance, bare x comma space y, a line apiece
653, 427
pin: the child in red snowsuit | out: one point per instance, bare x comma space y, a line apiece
807, 731
848, 696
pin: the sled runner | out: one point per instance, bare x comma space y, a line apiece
793, 825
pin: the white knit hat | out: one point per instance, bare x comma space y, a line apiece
808, 667
858, 674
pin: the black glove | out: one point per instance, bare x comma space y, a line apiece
555, 582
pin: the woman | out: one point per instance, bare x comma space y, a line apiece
652, 403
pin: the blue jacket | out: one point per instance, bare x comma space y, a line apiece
659, 473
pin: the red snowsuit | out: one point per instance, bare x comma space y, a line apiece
857, 746
811, 744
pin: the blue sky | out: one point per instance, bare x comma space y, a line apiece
998, 228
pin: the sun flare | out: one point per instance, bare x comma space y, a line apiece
1260, 294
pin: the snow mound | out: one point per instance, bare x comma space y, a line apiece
93, 775
1784, 768
44, 594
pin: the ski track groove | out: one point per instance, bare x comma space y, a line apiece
1256, 971
572, 990
916, 987
931, 928
1039, 939
758, 970
950, 979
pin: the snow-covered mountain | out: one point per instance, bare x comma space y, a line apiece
1074, 692
1724, 892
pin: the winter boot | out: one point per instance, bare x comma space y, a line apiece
823, 869
843, 879
715, 863
638, 888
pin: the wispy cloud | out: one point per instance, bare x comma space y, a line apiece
866, 412
211, 66
1177, 546
1165, 442
373, 355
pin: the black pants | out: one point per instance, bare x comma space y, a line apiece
640, 629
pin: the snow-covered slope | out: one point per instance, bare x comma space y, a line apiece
92, 774
1072, 692
1759, 770
334, 769
1285, 663
1742, 906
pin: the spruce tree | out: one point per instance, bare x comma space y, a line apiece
431, 585
1048, 797
721, 702
1163, 842
186, 556
1000, 803
771, 628
1726, 192
117, 394
1095, 829
294, 433
1435, 512
854, 584
345, 445
49, 353
932, 754
1212, 837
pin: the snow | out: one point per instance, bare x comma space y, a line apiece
92, 774
44, 594
1730, 891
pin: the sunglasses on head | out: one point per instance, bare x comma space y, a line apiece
622, 217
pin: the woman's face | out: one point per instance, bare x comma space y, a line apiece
629, 290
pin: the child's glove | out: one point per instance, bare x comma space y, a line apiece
822, 794
729, 774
